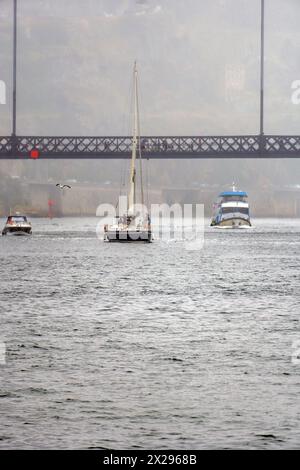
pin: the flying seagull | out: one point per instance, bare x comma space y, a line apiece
63, 186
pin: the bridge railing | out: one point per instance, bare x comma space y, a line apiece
13, 147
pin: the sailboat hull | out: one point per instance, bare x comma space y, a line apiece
128, 236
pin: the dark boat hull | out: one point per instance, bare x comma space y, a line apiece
17, 231
128, 236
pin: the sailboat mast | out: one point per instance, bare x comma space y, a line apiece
131, 197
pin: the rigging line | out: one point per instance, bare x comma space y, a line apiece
140, 148
129, 129
147, 181
126, 125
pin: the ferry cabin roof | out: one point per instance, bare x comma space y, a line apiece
233, 193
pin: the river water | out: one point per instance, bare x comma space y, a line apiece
150, 346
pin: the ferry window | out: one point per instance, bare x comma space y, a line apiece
234, 198
230, 210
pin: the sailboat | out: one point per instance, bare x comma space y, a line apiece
135, 224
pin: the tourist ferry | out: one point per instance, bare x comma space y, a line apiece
231, 210
17, 225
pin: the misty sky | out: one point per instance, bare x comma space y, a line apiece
198, 62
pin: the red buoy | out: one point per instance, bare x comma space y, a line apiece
51, 203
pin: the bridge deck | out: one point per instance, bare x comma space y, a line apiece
114, 147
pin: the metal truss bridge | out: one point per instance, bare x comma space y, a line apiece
62, 147
247, 146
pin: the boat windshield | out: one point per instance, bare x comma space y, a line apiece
230, 210
234, 198
17, 219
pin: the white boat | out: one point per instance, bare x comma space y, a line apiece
135, 224
17, 225
231, 210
